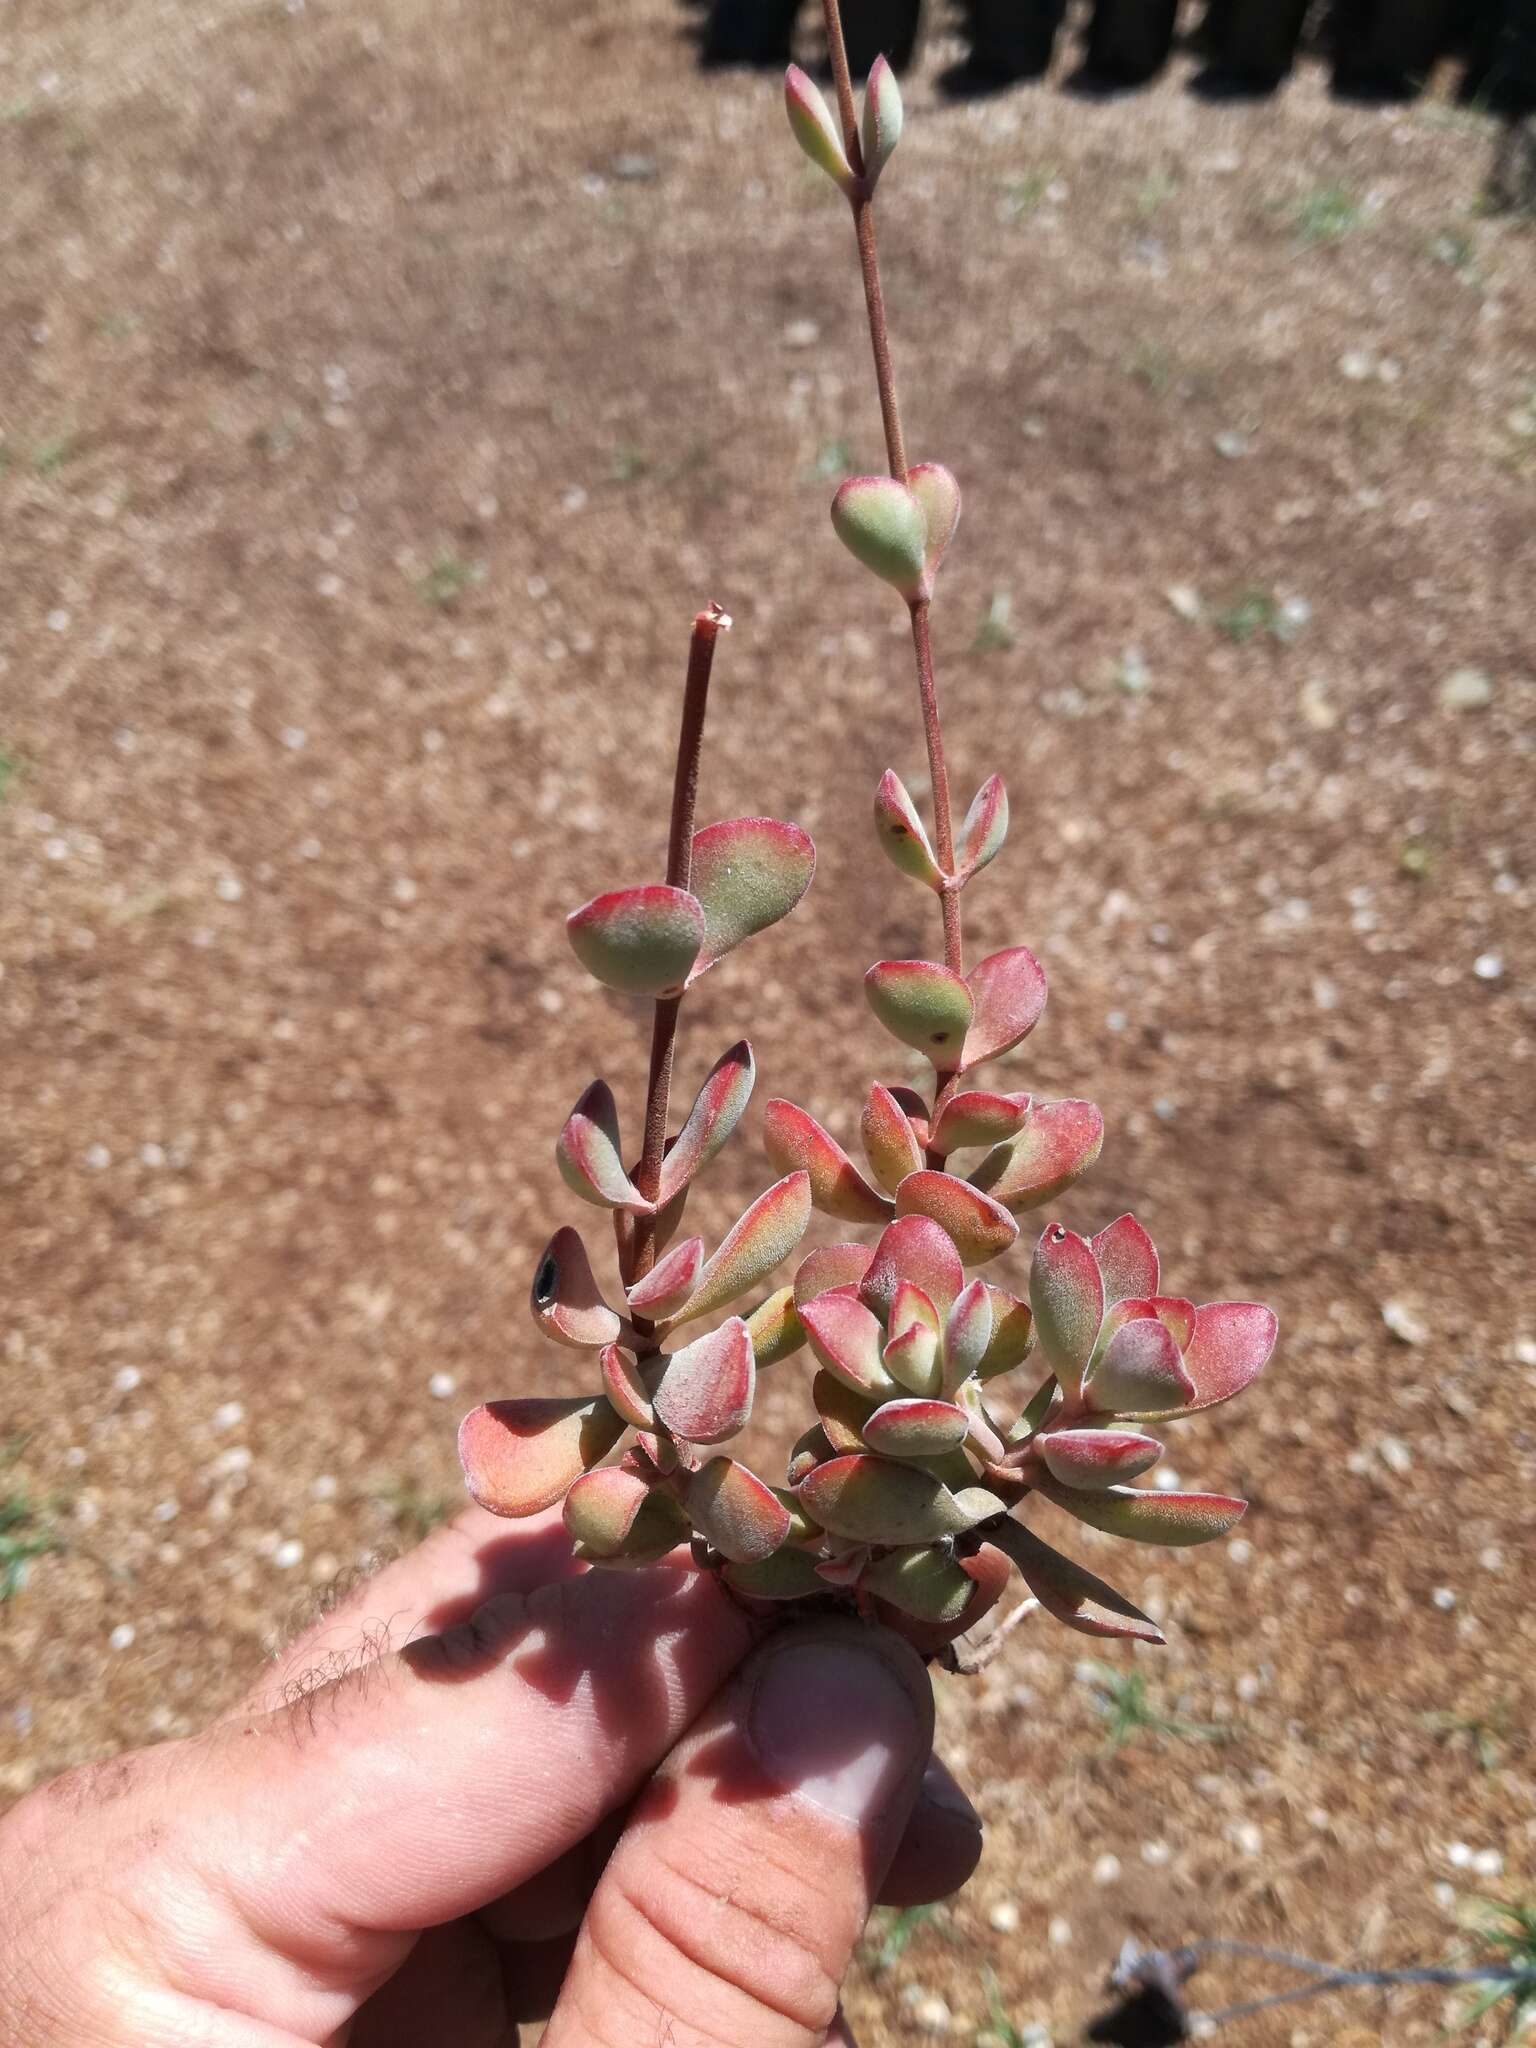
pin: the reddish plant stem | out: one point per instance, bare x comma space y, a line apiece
895, 448
707, 628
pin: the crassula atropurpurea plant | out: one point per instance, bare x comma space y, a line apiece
913, 1492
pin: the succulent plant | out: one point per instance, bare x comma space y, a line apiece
907, 1494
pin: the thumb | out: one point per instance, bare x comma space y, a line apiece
728, 1913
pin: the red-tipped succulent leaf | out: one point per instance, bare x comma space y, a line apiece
923, 1004
793, 1139
984, 830
975, 1117
1093, 1459
1072, 1595
1170, 1519
754, 1245
813, 127
979, 1228
775, 1329
716, 1111
589, 1156
704, 1394
1058, 1143
565, 1299
735, 1512
747, 874
625, 1387
848, 1341
1066, 1295
890, 1143
881, 121
902, 833
917, 1249
670, 1281
641, 942
912, 1428
521, 1456
1007, 996
1128, 1260
867, 1499
829, 1266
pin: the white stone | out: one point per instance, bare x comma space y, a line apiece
1059, 1933
1003, 1917
1466, 689
125, 1379
1488, 966
122, 1637
228, 1414
288, 1553
1106, 1870
1406, 1325
441, 1385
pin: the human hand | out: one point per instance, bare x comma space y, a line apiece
385, 1846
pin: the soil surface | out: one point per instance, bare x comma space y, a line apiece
384, 388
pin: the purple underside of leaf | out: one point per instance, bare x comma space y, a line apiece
704, 1394
1059, 1141
917, 1249
760, 1238
1171, 1519
793, 1139
1093, 1459
890, 1144
1072, 1595
872, 1500
938, 497
975, 1117
670, 1281
1066, 1295
829, 1266
979, 1228
521, 1456
735, 1512
1007, 995
589, 1156
716, 1111
640, 941
565, 1299
848, 1341
1128, 1260
922, 1004
747, 874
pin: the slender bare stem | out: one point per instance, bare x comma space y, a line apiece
896, 452
707, 628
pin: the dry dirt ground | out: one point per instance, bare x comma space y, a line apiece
384, 387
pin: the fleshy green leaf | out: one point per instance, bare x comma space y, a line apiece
1138, 1372
979, 1228
890, 1143
1128, 1260
787, 1575
903, 835
912, 1354
829, 1266
812, 125
793, 1138
1073, 1595
913, 1248
603, 1508
1007, 996
626, 1390
1172, 1519
880, 127
588, 1154
735, 1512
1058, 1144
923, 1005
967, 1332
705, 1391
872, 1500
520, 1456
938, 496
747, 874
812, 1448
985, 828
843, 1413
1093, 1459
716, 1111
882, 525
639, 941
912, 1428
1013, 1332
848, 1341
775, 1329
754, 1245
670, 1281
923, 1582
975, 1117
565, 1299
1066, 1294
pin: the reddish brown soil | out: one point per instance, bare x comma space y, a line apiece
301, 303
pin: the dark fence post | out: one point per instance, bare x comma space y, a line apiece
1386, 49
1010, 40
749, 32
1129, 40
880, 28
1251, 44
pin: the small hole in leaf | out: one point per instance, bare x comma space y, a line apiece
544, 1281
940, 1038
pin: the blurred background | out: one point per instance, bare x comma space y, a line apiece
384, 387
